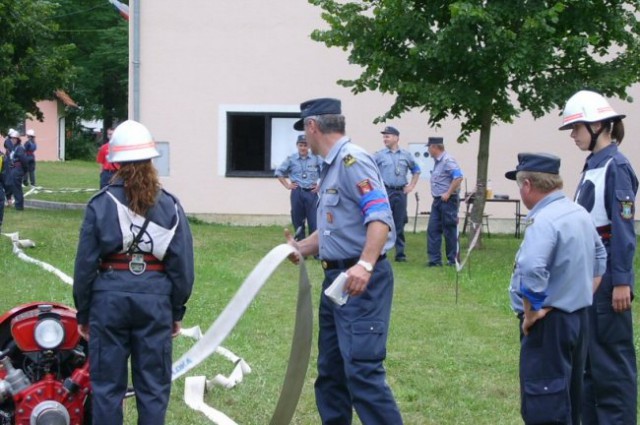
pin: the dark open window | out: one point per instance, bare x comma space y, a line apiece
251, 141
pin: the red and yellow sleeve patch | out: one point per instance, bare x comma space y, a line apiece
364, 187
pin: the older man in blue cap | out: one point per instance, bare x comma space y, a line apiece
446, 178
394, 164
557, 269
355, 231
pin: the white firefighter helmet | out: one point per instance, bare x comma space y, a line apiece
587, 106
131, 141
31, 132
14, 133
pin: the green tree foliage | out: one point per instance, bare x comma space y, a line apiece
101, 38
32, 64
484, 61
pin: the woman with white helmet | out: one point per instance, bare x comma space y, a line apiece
133, 276
607, 190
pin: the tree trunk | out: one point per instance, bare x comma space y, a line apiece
477, 210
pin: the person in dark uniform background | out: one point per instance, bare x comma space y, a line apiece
133, 275
8, 184
107, 169
557, 269
3, 167
608, 189
394, 164
355, 231
299, 173
18, 160
30, 147
445, 187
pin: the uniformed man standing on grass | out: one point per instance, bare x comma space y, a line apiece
299, 173
443, 220
394, 164
558, 267
355, 230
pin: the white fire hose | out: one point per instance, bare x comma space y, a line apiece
209, 343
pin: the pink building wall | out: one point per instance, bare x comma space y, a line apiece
47, 131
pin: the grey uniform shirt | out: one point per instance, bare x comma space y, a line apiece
445, 170
394, 166
351, 195
304, 171
560, 255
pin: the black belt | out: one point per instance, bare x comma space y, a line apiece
307, 189
394, 187
346, 263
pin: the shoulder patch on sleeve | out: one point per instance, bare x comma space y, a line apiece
627, 210
364, 187
348, 160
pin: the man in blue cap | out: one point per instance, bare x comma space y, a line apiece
355, 231
557, 269
445, 186
299, 173
394, 164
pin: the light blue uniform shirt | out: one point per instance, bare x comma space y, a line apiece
445, 170
394, 166
301, 170
560, 255
351, 195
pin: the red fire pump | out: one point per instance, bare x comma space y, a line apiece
44, 369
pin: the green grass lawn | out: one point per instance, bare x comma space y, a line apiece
451, 360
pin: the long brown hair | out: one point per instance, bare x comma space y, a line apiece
141, 184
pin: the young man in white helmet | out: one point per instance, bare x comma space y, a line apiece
607, 190
133, 276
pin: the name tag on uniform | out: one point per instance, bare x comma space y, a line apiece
326, 232
137, 266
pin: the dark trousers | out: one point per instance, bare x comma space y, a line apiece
135, 325
443, 220
303, 208
2, 199
30, 175
611, 391
552, 360
398, 203
105, 177
351, 348
17, 174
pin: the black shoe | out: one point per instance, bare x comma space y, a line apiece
402, 259
434, 265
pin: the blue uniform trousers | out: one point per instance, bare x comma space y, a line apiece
443, 220
138, 325
351, 348
17, 174
398, 204
30, 175
303, 207
552, 360
610, 395
105, 177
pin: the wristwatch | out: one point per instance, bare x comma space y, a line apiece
365, 265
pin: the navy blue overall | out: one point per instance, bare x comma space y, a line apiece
130, 316
17, 172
